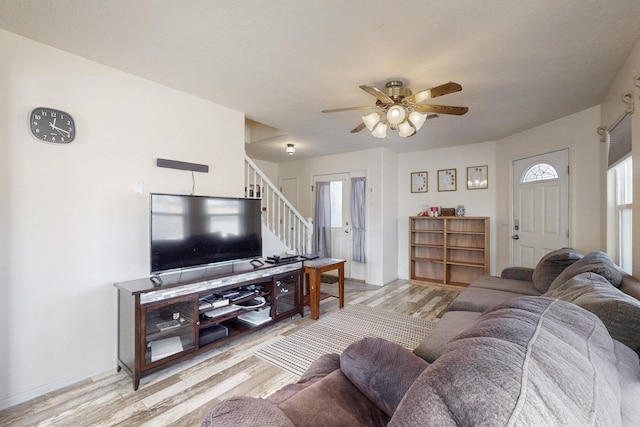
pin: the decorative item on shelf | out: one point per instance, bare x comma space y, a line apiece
419, 182
477, 177
460, 210
447, 180
254, 191
448, 211
434, 211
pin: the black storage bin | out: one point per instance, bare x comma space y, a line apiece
212, 333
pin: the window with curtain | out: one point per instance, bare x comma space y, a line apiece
322, 222
620, 177
358, 218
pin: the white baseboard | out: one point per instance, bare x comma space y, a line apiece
47, 388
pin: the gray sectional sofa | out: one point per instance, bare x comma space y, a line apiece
554, 345
593, 282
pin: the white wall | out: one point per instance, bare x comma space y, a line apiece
612, 108
476, 202
71, 224
578, 133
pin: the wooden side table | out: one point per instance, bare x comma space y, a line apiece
312, 271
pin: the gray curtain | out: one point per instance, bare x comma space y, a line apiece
358, 218
322, 224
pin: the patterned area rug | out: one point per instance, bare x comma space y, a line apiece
334, 333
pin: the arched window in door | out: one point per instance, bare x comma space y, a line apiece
539, 172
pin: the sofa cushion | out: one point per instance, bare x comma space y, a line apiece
519, 287
529, 361
332, 401
361, 362
245, 411
594, 262
450, 325
479, 299
629, 373
517, 273
320, 368
551, 265
619, 312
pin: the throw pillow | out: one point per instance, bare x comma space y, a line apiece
619, 312
551, 265
594, 262
382, 370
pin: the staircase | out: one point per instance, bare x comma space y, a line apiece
278, 215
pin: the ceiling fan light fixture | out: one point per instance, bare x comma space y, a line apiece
396, 115
405, 129
380, 131
417, 119
290, 149
370, 120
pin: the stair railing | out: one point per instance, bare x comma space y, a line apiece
278, 215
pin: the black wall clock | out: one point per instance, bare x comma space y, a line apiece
51, 125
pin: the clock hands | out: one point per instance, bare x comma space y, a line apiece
54, 127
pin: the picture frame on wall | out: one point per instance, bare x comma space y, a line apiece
419, 182
477, 177
447, 180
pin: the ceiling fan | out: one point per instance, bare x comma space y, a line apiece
400, 109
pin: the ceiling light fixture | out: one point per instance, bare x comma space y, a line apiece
290, 149
402, 110
396, 117
371, 120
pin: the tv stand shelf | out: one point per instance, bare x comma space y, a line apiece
143, 308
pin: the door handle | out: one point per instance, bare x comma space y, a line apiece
515, 237
348, 230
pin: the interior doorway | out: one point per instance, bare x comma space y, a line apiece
540, 220
289, 189
341, 224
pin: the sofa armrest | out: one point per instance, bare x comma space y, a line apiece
518, 273
382, 370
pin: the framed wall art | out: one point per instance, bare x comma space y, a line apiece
447, 180
477, 177
419, 182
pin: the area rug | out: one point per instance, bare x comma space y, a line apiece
334, 333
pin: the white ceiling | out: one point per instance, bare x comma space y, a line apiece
520, 63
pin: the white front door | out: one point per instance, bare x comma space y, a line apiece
540, 220
341, 242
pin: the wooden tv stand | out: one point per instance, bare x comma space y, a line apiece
159, 326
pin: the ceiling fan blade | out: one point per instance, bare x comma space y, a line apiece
434, 92
358, 128
382, 97
441, 109
337, 110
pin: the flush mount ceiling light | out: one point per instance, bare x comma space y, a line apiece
400, 109
290, 149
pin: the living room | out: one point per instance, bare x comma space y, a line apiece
76, 217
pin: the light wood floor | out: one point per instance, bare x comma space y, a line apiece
182, 394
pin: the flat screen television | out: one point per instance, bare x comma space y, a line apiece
196, 231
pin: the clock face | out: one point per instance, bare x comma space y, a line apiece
419, 182
51, 125
447, 180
